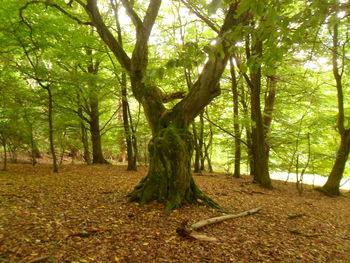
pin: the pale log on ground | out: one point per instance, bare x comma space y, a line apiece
218, 219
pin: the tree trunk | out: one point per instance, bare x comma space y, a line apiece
132, 166
268, 110
234, 89
196, 148
201, 142
97, 153
85, 141
34, 149
3, 140
169, 178
84, 136
51, 131
332, 185
333, 182
261, 170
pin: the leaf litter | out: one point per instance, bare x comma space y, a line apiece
82, 215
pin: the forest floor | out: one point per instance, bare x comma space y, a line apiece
82, 215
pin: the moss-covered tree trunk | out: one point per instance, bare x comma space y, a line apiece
169, 179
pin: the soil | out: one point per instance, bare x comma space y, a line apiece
82, 215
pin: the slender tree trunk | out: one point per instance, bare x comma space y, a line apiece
94, 114
127, 129
268, 110
3, 140
196, 148
33, 147
234, 89
83, 132
261, 170
333, 183
51, 130
130, 136
201, 142
207, 155
85, 141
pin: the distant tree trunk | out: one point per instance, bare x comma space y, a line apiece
97, 154
3, 142
132, 166
85, 141
33, 147
51, 130
260, 168
234, 89
207, 146
196, 148
268, 109
201, 142
83, 132
130, 137
94, 114
333, 183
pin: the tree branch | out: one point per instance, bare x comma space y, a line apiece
106, 35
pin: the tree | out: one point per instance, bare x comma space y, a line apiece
169, 178
338, 63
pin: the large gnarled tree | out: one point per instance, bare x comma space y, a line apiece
169, 178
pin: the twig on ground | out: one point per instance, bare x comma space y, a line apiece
300, 233
296, 215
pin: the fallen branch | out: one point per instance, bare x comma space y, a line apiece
300, 233
296, 215
85, 234
190, 233
218, 219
